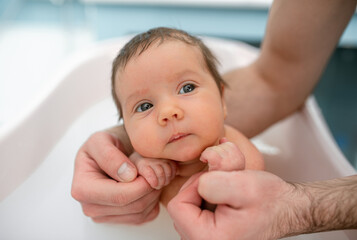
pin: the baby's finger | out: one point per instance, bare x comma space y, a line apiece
223, 140
150, 175
233, 158
212, 157
228, 147
168, 172
160, 175
174, 169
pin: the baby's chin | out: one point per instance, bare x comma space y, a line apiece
186, 156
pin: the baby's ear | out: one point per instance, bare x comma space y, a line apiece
222, 89
224, 109
223, 102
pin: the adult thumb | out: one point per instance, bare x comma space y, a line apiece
102, 148
219, 187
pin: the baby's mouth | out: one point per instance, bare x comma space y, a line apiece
177, 137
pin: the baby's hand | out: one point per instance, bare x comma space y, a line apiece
157, 172
226, 157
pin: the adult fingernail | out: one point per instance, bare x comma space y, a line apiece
126, 173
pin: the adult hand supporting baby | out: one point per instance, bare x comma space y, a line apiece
248, 206
259, 205
108, 199
245, 199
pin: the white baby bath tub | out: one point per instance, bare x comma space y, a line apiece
37, 151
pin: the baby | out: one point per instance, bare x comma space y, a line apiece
170, 95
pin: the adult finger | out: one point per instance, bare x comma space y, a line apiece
221, 187
139, 206
106, 150
150, 214
96, 188
187, 199
185, 210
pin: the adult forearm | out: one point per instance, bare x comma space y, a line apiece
321, 206
300, 38
251, 102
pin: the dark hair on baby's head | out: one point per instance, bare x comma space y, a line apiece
141, 42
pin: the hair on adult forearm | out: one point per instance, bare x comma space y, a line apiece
332, 204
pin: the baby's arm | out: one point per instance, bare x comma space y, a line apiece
157, 172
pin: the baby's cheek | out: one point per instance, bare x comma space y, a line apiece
146, 142
143, 147
213, 132
138, 140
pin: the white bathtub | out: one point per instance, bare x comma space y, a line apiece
37, 151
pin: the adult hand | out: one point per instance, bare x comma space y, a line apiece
106, 186
250, 205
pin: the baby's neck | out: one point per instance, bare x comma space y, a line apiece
187, 169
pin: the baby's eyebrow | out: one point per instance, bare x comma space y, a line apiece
133, 96
186, 72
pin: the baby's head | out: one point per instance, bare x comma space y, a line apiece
141, 42
167, 88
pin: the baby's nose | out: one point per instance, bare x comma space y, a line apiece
170, 113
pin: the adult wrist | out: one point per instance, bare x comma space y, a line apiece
318, 206
294, 212
333, 204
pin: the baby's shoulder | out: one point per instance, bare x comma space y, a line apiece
232, 134
254, 160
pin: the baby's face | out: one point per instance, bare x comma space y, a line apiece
171, 104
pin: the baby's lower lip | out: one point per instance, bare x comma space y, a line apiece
177, 137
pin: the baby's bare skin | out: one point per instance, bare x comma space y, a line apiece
171, 175
157, 172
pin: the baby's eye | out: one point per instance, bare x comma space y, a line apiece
143, 107
187, 88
